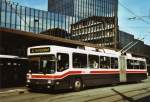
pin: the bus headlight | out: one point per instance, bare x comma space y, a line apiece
49, 82
28, 81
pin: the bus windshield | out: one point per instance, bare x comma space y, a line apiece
43, 64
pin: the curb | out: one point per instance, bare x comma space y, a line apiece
13, 92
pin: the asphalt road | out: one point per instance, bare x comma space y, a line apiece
129, 92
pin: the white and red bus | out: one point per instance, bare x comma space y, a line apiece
59, 67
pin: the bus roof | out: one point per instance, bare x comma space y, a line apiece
37, 50
54, 48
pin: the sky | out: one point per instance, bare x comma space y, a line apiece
127, 9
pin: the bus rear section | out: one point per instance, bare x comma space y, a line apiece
132, 69
136, 69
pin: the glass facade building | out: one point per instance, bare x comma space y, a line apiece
96, 21
14, 16
61, 14
84, 8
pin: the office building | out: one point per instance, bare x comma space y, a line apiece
96, 30
63, 14
96, 21
84, 8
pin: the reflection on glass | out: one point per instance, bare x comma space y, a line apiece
43, 64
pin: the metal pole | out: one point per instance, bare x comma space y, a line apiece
126, 46
131, 46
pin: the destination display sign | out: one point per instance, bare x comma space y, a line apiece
40, 50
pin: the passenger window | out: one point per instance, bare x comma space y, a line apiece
104, 62
79, 60
93, 61
142, 65
114, 63
136, 64
63, 62
130, 64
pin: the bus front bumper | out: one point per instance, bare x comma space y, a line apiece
39, 83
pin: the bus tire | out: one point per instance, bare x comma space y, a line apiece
77, 86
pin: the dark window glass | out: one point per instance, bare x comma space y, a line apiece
142, 65
104, 62
114, 63
79, 60
136, 64
43, 64
130, 64
93, 61
63, 62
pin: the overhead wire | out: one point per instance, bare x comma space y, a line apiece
136, 16
132, 43
130, 11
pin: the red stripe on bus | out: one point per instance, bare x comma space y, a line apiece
71, 73
80, 72
104, 72
136, 72
56, 76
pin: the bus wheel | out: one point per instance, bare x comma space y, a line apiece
77, 85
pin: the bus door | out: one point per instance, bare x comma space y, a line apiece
122, 67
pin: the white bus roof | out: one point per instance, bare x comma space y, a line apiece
101, 52
54, 48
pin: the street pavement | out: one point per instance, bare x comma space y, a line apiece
128, 92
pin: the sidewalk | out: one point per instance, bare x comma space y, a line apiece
17, 90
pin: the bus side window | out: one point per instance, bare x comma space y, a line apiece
79, 60
104, 62
114, 63
136, 64
63, 62
130, 64
93, 61
142, 65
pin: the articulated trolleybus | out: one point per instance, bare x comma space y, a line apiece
57, 67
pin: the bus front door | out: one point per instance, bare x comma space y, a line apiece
122, 67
